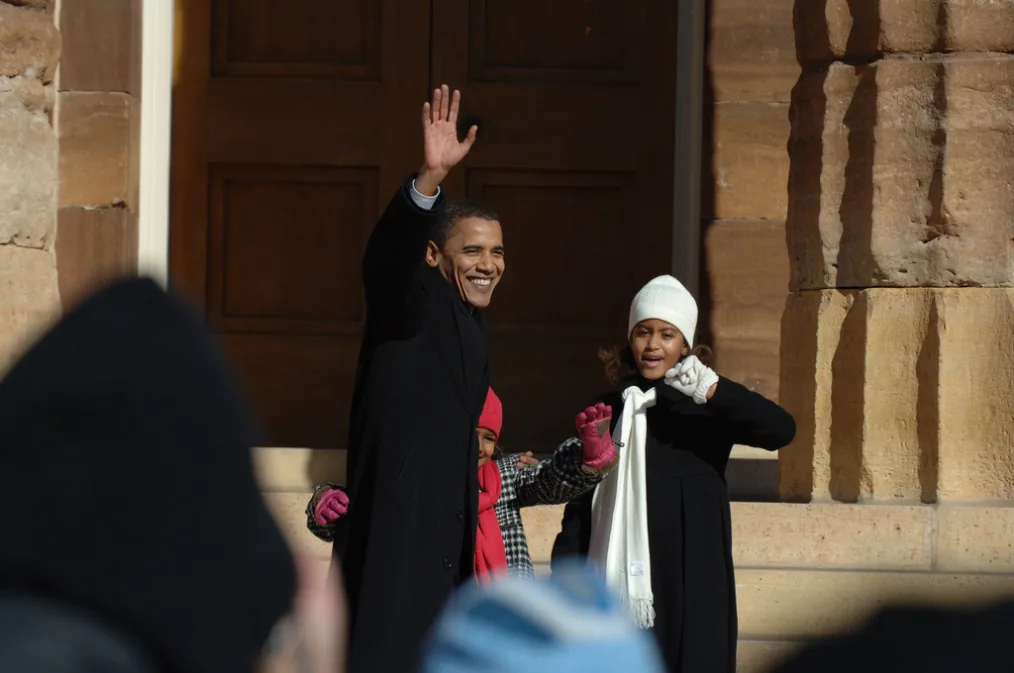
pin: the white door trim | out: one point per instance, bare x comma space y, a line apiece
157, 37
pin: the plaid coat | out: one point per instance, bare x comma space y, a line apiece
555, 481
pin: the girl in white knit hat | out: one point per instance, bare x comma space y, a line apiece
659, 525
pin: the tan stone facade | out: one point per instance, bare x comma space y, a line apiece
29, 55
69, 129
896, 338
99, 128
858, 215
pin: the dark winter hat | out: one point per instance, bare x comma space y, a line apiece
127, 486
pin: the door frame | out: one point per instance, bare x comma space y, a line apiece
157, 76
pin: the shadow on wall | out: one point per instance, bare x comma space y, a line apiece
807, 110
854, 267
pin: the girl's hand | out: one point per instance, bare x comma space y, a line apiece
527, 458
593, 431
693, 378
331, 506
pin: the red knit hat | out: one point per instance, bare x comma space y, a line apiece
492, 414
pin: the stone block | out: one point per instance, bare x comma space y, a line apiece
974, 25
748, 271
32, 93
754, 362
542, 524
797, 604
28, 160
298, 469
832, 536
29, 43
96, 149
898, 175
975, 379
29, 299
872, 413
976, 538
811, 335
36, 4
751, 475
900, 395
752, 50
93, 247
858, 29
101, 46
751, 165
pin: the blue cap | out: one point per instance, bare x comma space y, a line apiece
567, 623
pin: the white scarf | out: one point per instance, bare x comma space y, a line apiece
619, 535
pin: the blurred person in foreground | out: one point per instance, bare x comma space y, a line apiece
135, 537
916, 640
566, 623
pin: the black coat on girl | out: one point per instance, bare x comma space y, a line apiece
689, 526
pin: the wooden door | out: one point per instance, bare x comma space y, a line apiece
575, 100
293, 122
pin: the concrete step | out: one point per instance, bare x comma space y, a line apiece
793, 561
765, 535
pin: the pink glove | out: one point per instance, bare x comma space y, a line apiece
593, 431
332, 505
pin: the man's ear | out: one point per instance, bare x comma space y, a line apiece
432, 255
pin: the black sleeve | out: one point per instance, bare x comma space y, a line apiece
395, 252
574, 537
754, 419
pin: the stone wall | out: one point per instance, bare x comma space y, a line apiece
752, 69
29, 56
897, 351
99, 126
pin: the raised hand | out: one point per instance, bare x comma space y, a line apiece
331, 506
441, 147
593, 431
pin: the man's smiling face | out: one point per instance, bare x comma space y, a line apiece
472, 258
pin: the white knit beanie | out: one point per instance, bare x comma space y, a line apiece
665, 298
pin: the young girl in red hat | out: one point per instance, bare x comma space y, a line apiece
506, 484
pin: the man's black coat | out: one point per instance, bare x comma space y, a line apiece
421, 381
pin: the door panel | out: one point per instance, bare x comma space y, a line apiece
575, 100
284, 152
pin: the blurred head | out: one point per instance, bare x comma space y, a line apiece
111, 408
490, 424
466, 244
568, 622
663, 318
312, 638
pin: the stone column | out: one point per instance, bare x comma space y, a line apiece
29, 53
898, 335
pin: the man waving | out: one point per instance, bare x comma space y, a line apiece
422, 378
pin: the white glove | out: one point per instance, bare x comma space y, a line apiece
692, 378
